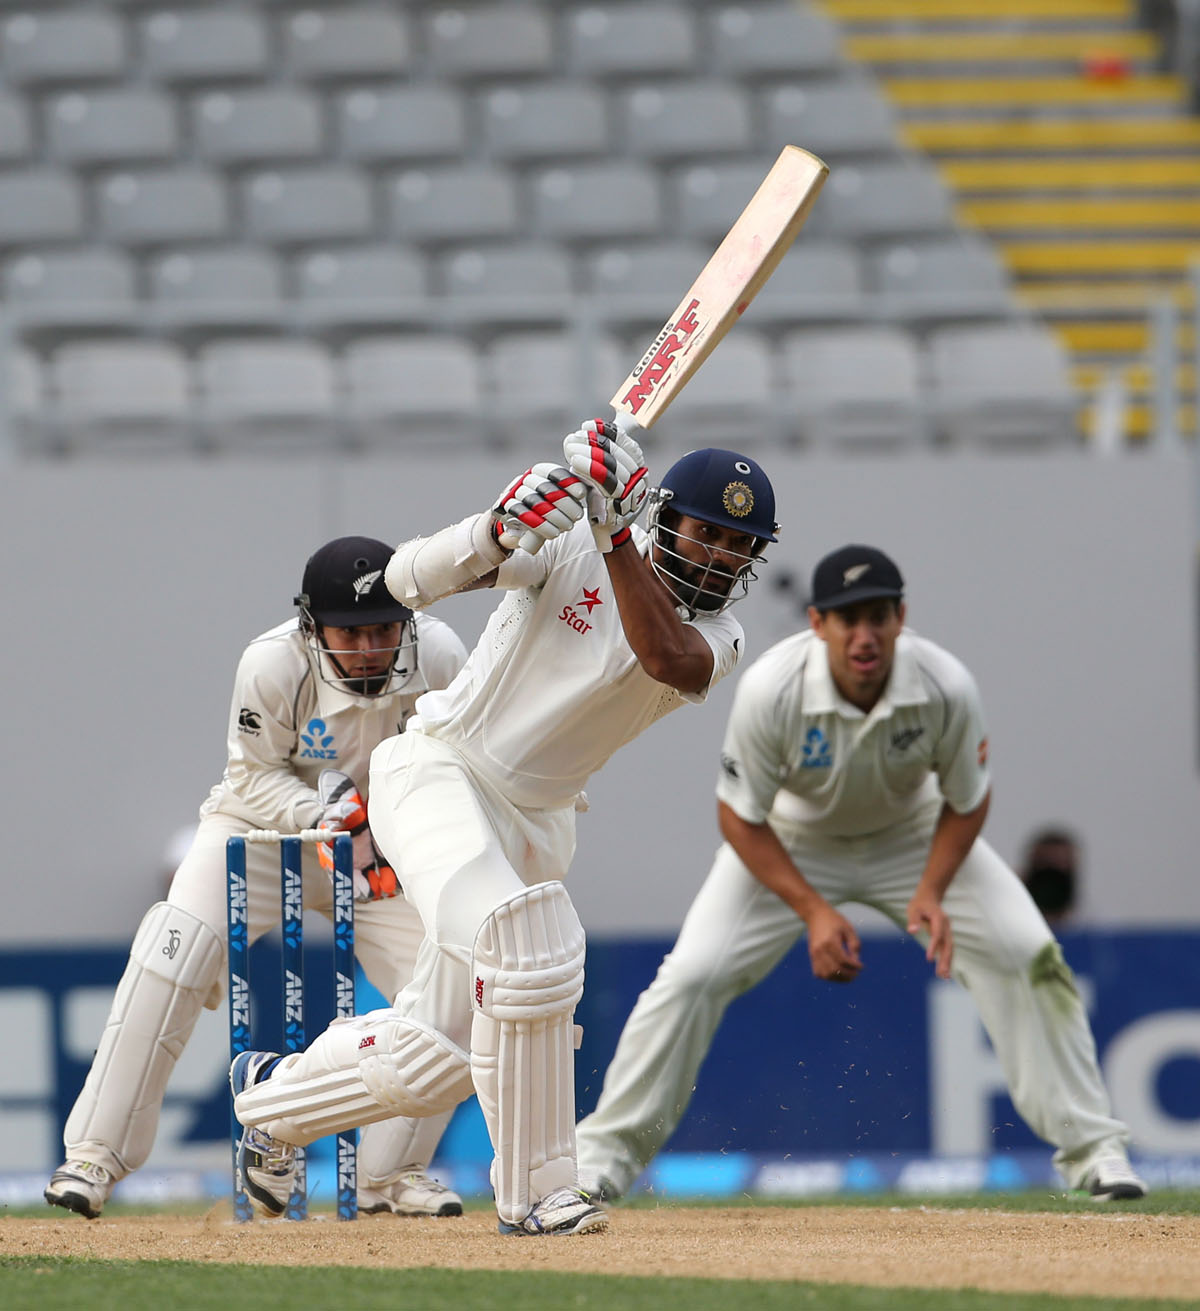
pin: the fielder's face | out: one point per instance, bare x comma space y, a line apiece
860, 642
364, 652
706, 560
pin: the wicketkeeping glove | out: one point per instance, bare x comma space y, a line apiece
544, 502
611, 463
345, 811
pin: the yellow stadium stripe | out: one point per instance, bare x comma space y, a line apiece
973, 10
1139, 421
1138, 378
1113, 297
1055, 134
1112, 172
1104, 258
924, 92
1167, 214
1115, 338
985, 46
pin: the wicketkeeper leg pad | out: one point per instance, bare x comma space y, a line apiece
173, 964
528, 978
358, 1071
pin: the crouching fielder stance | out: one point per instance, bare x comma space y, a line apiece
604, 629
324, 688
854, 768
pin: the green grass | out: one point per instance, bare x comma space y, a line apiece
41, 1284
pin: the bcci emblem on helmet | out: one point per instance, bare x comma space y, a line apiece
738, 500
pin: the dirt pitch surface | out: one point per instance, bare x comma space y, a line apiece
1105, 1252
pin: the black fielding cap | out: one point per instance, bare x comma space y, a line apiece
852, 574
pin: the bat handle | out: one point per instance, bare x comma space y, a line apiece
629, 426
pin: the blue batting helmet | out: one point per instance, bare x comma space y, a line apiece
721, 487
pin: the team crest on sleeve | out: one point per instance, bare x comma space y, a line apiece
738, 499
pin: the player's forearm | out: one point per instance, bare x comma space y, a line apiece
454, 559
953, 837
669, 650
275, 796
761, 851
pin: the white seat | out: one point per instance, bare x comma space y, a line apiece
65, 289
24, 402
853, 388
489, 41
509, 284
352, 286
163, 205
364, 41
274, 124
329, 202
849, 117
216, 287
674, 120
549, 379
413, 390
772, 39
121, 394
881, 201
16, 129
112, 126
705, 199
1002, 386
642, 282
730, 401
816, 282
39, 204
541, 120
941, 281
597, 202
453, 202
401, 123
63, 46
256, 392
626, 40
221, 44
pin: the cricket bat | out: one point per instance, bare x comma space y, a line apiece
736, 273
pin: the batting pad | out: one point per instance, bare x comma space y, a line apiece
528, 978
173, 963
359, 1070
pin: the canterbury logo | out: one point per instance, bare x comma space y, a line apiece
364, 583
854, 573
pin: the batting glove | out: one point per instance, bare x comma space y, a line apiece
345, 811
543, 503
611, 463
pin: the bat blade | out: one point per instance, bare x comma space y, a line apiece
740, 266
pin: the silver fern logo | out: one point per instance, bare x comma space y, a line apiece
854, 573
364, 582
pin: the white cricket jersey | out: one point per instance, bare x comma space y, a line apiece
553, 687
286, 723
797, 751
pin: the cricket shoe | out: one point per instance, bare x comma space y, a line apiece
81, 1187
411, 1192
564, 1211
1111, 1179
266, 1166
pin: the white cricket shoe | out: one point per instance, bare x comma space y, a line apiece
564, 1211
1111, 1179
266, 1166
81, 1187
410, 1192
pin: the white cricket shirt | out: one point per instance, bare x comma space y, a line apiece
797, 751
552, 687
286, 723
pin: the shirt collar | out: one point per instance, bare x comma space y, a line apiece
904, 687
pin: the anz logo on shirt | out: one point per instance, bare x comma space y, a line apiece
818, 754
318, 745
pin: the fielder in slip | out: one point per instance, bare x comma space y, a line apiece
319, 691
854, 768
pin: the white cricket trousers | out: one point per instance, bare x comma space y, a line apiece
737, 931
115, 1118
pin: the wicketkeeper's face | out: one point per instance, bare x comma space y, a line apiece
365, 651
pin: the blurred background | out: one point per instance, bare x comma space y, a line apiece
274, 272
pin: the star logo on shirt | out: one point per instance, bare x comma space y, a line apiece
591, 599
